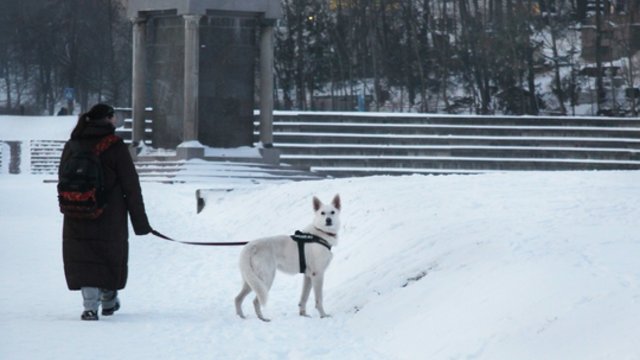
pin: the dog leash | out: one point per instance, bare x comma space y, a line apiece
162, 236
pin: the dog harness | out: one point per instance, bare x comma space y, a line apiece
304, 238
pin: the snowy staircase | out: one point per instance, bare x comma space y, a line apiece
173, 170
355, 144
44, 157
167, 168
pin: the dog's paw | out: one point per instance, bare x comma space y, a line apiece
264, 319
324, 316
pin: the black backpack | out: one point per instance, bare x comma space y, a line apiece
81, 191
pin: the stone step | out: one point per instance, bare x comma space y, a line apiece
208, 176
173, 159
199, 170
396, 118
220, 167
325, 164
318, 129
461, 151
391, 140
370, 171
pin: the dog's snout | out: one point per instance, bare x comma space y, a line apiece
329, 221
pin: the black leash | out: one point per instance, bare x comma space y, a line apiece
238, 243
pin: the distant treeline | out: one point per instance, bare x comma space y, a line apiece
423, 55
455, 55
50, 45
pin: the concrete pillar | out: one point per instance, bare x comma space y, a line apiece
269, 154
266, 85
138, 79
190, 147
191, 69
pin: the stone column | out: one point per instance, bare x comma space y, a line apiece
266, 93
138, 79
190, 147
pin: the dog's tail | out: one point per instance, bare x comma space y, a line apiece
253, 274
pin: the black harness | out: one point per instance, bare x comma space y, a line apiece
304, 238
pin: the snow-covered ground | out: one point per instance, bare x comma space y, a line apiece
529, 265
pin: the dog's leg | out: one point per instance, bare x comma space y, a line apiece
263, 285
256, 305
246, 289
318, 281
306, 289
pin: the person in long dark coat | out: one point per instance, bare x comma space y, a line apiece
96, 251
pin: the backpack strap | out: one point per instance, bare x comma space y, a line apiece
105, 143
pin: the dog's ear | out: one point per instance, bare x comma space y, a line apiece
336, 202
316, 203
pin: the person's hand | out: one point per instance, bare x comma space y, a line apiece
144, 231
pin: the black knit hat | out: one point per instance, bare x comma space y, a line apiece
100, 111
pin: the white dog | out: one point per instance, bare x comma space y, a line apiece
260, 258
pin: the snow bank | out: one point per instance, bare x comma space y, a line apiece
497, 266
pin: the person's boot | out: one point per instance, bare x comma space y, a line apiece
89, 315
110, 311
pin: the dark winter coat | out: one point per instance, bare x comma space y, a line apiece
96, 252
